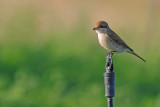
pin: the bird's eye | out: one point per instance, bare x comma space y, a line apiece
101, 26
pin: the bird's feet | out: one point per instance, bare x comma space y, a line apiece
110, 53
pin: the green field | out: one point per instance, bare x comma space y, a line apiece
59, 66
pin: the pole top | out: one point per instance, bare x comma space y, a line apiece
109, 64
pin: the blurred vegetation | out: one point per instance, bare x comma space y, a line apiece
62, 67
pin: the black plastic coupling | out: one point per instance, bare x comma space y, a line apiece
109, 81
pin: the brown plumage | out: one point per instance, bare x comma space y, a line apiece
114, 37
99, 23
111, 41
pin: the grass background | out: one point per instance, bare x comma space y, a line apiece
50, 57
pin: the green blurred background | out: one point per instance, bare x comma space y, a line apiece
50, 56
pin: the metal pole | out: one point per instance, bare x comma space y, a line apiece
109, 80
110, 102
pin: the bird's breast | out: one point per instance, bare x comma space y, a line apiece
103, 40
109, 44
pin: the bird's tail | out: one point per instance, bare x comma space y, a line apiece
137, 56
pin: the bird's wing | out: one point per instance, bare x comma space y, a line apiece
115, 38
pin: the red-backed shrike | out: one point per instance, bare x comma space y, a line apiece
109, 40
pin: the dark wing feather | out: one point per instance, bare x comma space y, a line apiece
114, 37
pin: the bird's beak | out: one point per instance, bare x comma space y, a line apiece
95, 28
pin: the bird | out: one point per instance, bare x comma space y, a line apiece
109, 40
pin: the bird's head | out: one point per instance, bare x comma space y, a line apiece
101, 27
